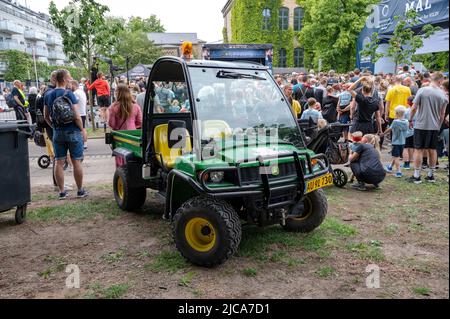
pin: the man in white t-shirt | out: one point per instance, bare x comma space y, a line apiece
82, 104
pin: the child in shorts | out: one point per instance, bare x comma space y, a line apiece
399, 129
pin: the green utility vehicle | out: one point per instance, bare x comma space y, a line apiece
220, 143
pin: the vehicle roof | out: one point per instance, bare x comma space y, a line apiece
227, 65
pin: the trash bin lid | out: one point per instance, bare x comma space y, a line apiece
14, 126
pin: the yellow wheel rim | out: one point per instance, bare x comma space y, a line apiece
120, 188
200, 234
308, 210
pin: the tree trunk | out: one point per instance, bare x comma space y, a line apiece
91, 97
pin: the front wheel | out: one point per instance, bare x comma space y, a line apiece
127, 198
308, 214
207, 231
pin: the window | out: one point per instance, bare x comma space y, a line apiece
284, 18
298, 57
266, 19
282, 58
298, 18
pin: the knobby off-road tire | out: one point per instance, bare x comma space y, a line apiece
127, 198
313, 215
207, 231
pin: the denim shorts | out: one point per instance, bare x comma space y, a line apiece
71, 141
397, 150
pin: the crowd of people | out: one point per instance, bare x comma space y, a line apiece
408, 110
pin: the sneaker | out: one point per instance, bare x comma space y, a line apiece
82, 194
407, 166
399, 174
430, 179
376, 187
359, 186
424, 166
415, 180
63, 196
389, 169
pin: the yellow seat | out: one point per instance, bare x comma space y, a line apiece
214, 129
164, 154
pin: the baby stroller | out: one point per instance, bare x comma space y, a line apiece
326, 141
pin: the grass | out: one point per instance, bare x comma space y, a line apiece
95, 134
186, 280
114, 257
273, 244
325, 272
250, 272
170, 261
111, 292
76, 211
57, 264
369, 252
422, 291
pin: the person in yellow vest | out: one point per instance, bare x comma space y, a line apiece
295, 105
21, 103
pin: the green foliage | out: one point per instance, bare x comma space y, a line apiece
132, 41
19, 65
404, 42
433, 61
247, 27
151, 24
83, 29
330, 31
225, 35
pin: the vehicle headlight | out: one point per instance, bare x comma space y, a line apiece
217, 177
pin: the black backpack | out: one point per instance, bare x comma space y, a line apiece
62, 111
10, 101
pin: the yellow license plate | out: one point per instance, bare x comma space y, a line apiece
320, 182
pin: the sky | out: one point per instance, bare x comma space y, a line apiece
201, 16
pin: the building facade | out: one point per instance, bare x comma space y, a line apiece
22, 29
277, 22
170, 43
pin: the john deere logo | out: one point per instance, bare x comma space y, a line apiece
275, 170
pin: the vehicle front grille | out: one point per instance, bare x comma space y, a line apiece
251, 175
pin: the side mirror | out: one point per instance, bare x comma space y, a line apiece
177, 134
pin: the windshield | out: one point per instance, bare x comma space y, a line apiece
239, 103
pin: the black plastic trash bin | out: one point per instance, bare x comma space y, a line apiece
15, 188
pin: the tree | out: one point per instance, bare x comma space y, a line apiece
19, 65
331, 29
132, 41
84, 31
406, 39
433, 61
151, 24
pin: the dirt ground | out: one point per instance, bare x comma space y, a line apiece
403, 229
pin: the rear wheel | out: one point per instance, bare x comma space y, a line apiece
21, 214
207, 231
127, 198
340, 178
308, 214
